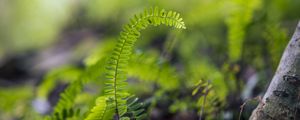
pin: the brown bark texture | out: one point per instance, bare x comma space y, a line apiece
281, 101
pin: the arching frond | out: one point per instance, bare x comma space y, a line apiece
116, 66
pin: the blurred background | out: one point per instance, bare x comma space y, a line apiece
234, 45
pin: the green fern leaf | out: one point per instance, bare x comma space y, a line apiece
102, 109
66, 114
116, 74
135, 109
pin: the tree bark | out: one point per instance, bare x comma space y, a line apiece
281, 101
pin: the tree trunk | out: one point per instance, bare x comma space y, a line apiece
281, 101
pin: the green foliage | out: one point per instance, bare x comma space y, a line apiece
115, 98
239, 18
277, 39
15, 102
66, 74
209, 102
175, 74
67, 98
115, 87
149, 67
66, 114
135, 109
203, 70
102, 110
100, 52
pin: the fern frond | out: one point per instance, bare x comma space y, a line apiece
208, 100
66, 114
116, 66
65, 73
135, 109
69, 95
102, 110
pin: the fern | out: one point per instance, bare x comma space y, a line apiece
208, 100
69, 114
67, 98
116, 67
135, 109
63, 109
65, 73
102, 110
